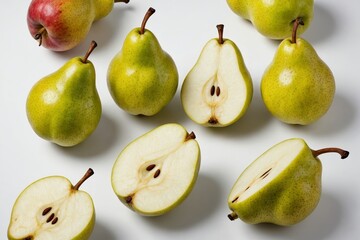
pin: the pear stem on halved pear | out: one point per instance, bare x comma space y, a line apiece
343, 153
88, 174
298, 21
220, 28
148, 14
93, 45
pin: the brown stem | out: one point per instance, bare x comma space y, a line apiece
93, 45
124, 1
298, 21
150, 12
190, 136
39, 35
343, 153
220, 28
88, 174
232, 216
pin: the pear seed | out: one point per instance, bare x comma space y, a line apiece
212, 90
50, 218
265, 174
46, 211
247, 188
217, 91
54, 221
157, 173
150, 167
235, 199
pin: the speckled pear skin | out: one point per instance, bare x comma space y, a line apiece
297, 87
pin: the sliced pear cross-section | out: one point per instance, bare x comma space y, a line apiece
156, 172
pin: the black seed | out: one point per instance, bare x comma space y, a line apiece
217, 91
247, 188
54, 221
212, 90
50, 218
150, 167
235, 199
46, 211
157, 173
265, 174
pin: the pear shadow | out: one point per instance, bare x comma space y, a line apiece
104, 136
340, 116
319, 225
323, 25
199, 206
101, 232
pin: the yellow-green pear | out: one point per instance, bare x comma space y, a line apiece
274, 18
156, 172
64, 107
218, 89
142, 78
53, 208
282, 186
297, 87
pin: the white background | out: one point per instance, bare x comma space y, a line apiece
183, 27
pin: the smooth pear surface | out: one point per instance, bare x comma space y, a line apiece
297, 87
274, 18
218, 89
157, 171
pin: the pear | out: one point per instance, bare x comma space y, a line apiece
274, 19
282, 186
297, 87
142, 78
64, 107
60, 25
218, 89
52, 208
157, 171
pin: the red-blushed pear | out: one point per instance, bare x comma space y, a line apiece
60, 25
53, 208
282, 186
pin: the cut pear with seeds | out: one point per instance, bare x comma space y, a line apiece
52, 208
157, 171
218, 89
282, 186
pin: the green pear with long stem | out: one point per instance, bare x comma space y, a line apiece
64, 107
297, 87
282, 186
218, 89
53, 208
142, 78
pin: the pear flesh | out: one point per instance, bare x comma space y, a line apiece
282, 186
218, 89
50, 208
157, 171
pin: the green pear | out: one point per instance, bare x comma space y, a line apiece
218, 89
297, 87
274, 19
142, 78
282, 186
157, 171
64, 107
60, 25
52, 208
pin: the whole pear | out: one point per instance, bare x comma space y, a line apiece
282, 186
274, 19
142, 78
64, 107
60, 25
297, 87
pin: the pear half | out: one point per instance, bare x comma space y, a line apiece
282, 186
52, 208
218, 89
157, 171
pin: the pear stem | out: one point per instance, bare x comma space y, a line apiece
220, 28
88, 174
93, 45
148, 14
39, 35
343, 153
298, 21
124, 1
232, 216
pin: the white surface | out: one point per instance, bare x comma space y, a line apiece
183, 27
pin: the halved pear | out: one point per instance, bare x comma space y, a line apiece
52, 208
282, 186
218, 89
157, 171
